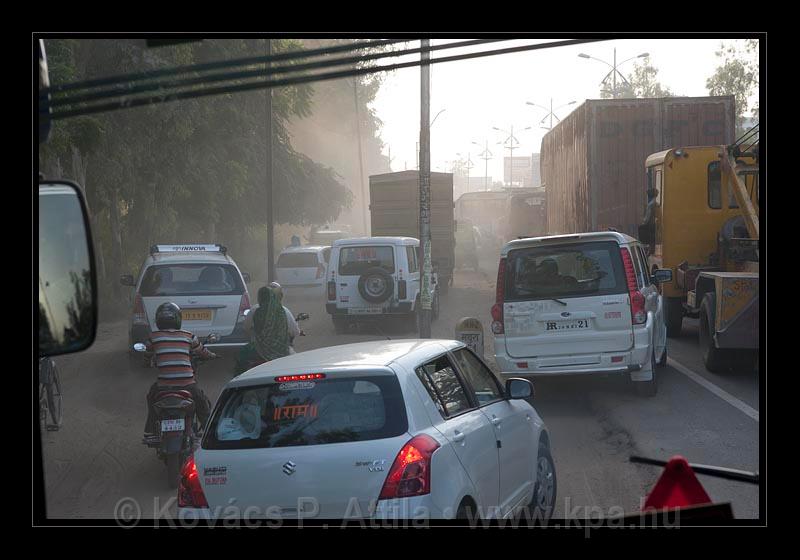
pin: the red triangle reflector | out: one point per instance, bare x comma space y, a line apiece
677, 487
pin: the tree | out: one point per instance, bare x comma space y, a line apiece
641, 83
737, 75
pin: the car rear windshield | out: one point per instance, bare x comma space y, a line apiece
574, 270
357, 260
332, 410
191, 279
298, 260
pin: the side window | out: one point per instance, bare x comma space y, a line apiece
480, 378
714, 186
412, 259
326, 255
658, 185
446, 387
637, 264
646, 266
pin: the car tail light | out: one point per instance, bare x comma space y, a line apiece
139, 314
320, 270
638, 313
332, 290
402, 291
302, 377
244, 306
190, 493
498, 326
410, 474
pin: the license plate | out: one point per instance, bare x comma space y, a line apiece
365, 310
567, 325
173, 425
196, 314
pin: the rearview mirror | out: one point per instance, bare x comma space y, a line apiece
139, 347
302, 317
67, 281
518, 388
662, 275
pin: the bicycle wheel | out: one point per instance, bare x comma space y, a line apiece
54, 398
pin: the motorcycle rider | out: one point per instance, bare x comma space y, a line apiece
173, 349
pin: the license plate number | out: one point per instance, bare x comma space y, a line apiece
173, 425
196, 314
365, 310
567, 325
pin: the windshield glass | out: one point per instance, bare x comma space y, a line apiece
298, 260
565, 271
357, 260
330, 410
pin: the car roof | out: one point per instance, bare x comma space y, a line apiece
526, 242
376, 241
358, 356
190, 257
305, 249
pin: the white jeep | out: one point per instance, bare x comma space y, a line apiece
371, 278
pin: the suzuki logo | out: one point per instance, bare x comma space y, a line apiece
565, 314
289, 467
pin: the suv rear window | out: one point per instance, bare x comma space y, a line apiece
357, 260
298, 260
574, 270
332, 410
191, 279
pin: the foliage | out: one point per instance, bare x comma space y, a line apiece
737, 75
641, 83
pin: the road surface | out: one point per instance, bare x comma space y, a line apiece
96, 464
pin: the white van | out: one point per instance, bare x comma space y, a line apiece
375, 277
581, 303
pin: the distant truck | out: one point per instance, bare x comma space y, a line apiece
394, 211
592, 160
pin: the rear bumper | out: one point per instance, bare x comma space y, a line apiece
402, 308
236, 339
634, 361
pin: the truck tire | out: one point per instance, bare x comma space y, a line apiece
673, 316
715, 359
376, 285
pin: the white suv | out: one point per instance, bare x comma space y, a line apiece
375, 277
205, 283
581, 303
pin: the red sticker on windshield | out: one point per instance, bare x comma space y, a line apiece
293, 411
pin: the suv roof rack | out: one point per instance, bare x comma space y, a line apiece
197, 248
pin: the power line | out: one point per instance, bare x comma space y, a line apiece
262, 84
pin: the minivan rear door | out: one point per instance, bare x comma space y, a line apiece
566, 299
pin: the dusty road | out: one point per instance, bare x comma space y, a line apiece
96, 460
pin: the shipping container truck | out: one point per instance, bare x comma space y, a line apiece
394, 211
592, 160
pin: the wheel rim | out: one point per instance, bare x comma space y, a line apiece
545, 476
375, 286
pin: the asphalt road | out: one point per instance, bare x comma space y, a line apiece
96, 464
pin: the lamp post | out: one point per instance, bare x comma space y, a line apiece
551, 112
511, 139
485, 155
614, 67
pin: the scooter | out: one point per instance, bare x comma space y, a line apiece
177, 427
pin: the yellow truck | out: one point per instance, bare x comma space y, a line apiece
702, 223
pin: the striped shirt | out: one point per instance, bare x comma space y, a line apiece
173, 351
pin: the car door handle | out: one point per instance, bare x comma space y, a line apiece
495, 421
459, 436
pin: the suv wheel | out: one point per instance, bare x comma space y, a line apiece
544, 492
648, 388
716, 359
376, 285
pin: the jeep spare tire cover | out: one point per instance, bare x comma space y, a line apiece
376, 285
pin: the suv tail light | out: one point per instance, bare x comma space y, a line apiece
320, 270
332, 289
638, 313
402, 290
190, 493
498, 326
139, 314
243, 306
410, 474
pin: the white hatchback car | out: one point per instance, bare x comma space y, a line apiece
582, 303
390, 429
302, 267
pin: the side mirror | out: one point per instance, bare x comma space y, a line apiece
212, 338
518, 388
246, 312
302, 317
67, 276
246, 277
127, 280
139, 347
661, 275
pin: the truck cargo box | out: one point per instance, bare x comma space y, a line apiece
593, 161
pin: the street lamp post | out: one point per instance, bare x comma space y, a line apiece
551, 112
614, 67
485, 155
511, 138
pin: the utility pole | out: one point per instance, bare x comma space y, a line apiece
270, 205
615, 73
469, 165
360, 160
486, 155
425, 189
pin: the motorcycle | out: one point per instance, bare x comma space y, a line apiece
257, 361
177, 426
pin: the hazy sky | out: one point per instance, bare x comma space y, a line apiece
482, 93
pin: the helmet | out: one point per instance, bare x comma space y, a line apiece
168, 316
275, 287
